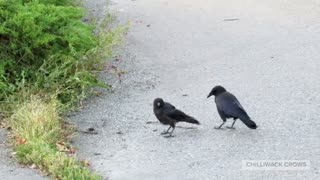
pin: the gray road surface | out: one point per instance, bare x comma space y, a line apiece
9, 169
269, 57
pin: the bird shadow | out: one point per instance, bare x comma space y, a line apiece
152, 122
181, 127
242, 134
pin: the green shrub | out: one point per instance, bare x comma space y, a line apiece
54, 2
44, 47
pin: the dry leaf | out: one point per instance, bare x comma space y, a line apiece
86, 163
33, 166
21, 141
63, 147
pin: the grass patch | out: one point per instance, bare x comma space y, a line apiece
49, 59
39, 140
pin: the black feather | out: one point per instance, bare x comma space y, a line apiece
167, 114
228, 106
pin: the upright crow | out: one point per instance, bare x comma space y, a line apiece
167, 114
229, 107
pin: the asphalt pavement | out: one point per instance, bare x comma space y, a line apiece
9, 168
265, 52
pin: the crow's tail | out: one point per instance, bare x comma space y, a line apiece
248, 122
191, 120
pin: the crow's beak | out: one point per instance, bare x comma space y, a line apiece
209, 95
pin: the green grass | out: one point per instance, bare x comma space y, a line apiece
48, 48
37, 134
49, 59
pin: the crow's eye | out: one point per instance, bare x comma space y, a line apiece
158, 104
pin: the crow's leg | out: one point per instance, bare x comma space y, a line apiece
219, 127
234, 121
223, 117
170, 135
166, 132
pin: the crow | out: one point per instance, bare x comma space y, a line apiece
229, 107
167, 114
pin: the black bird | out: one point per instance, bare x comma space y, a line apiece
229, 107
167, 114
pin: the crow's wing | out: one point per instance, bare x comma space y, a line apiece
170, 111
230, 105
177, 115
